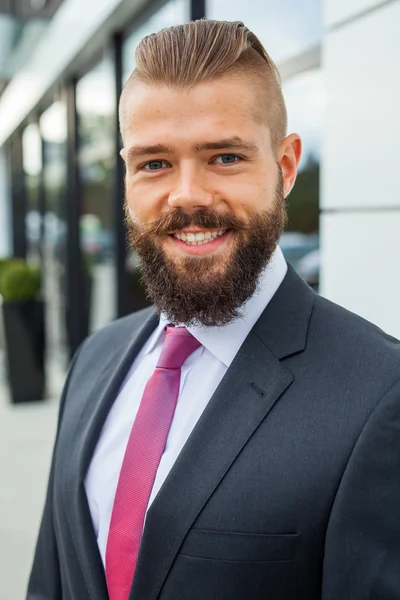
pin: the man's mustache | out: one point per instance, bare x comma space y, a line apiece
177, 220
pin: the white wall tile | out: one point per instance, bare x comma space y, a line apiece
361, 265
362, 124
360, 253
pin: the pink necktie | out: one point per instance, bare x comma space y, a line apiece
143, 453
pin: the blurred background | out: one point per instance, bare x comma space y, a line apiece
63, 256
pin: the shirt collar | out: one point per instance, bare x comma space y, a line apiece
224, 342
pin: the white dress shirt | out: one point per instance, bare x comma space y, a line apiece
200, 376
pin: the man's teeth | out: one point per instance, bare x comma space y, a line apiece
197, 239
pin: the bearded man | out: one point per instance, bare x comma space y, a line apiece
240, 438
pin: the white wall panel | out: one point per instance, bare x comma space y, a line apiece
361, 265
362, 127
337, 11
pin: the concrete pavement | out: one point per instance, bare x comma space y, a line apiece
26, 438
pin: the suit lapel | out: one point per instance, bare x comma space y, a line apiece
88, 429
252, 385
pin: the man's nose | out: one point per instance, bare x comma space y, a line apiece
190, 191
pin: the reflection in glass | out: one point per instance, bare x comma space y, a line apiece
32, 165
286, 28
53, 128
96, 112
305, 101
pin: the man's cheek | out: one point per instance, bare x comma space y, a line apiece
131, 213
134, 213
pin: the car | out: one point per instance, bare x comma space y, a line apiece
309, 268
295, 245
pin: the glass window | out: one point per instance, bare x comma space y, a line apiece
32, 165
305, 101
53, 128
96, 117
6, 183
286, 28
173, 12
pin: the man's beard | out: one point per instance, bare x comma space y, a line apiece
207, 290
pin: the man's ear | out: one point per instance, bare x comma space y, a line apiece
289, 158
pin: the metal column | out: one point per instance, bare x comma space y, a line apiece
19, 243
122, 285
74, 265
197, 9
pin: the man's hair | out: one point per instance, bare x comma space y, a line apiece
203, 50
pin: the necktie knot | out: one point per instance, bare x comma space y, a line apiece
179, 344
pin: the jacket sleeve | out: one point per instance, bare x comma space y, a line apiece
45, 582
362, 548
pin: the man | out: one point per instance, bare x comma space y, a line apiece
240, 439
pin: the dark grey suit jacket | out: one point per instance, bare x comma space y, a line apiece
288, 487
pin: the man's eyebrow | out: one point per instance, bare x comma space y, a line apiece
137, 151
234, 143
226, 144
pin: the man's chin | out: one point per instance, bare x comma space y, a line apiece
197, 271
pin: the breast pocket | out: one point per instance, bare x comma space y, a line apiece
244, 547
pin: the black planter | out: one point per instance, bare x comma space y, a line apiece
24, 335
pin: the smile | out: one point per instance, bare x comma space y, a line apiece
199, 239
200, 242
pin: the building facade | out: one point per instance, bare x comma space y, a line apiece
61, 179
360, 194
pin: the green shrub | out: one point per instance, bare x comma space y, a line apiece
19, 282
3, 263
9, 260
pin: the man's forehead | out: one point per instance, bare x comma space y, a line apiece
223, 95
157, 114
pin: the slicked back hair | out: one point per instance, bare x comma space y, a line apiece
206, 50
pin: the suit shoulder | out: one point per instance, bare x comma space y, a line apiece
348, 359
348, 331
120, 331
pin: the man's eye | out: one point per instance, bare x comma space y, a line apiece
227, 159
154, 165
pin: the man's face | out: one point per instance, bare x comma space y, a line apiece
204, 195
